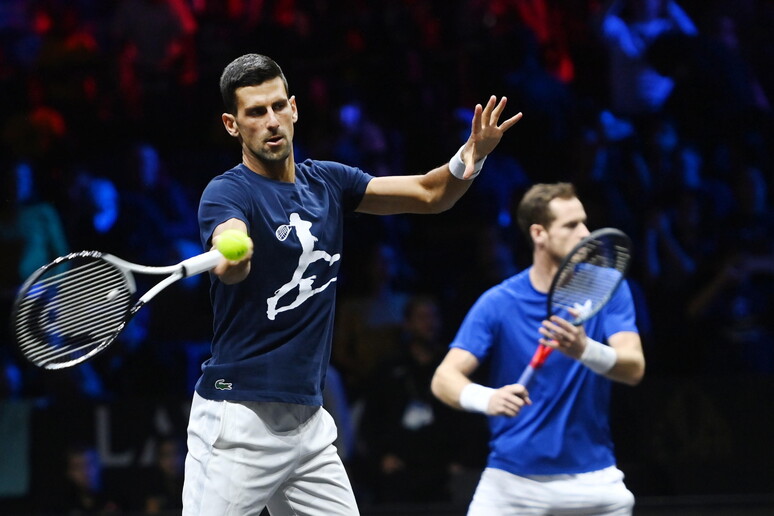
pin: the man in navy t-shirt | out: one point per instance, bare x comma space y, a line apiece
551, 450
258, 435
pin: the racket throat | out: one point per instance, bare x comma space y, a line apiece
540, 356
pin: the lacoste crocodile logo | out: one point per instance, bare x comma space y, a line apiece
222, 385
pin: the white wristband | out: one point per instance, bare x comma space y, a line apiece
457, 166
475, 397
598, 357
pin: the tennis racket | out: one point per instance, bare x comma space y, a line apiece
586, 280
282, 232
73, 308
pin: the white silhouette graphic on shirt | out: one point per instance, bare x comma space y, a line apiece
308, 256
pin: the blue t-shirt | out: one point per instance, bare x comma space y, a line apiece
273, 331
566, 429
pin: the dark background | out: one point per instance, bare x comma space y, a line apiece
110, 111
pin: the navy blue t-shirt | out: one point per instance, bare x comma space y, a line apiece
273, 331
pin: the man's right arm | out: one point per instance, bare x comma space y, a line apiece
231, 271
437, 190
451, 384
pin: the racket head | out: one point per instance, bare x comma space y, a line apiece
71, 309
282, 232
589, 275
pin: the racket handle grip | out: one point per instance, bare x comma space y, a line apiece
200, 263
526, 376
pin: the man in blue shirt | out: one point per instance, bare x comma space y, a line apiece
551, 450
258, 435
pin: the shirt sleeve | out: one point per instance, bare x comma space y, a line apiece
351, 181
477, 332
221, 200
619, 313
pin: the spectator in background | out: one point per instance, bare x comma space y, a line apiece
155, 207
731, 311
673, 162
676, 241
95, 209
493, 260
673, 240
156, 64
635, 167
361, 141
70, 64
628, 28
30, 228
405, 436
712, 69
613, 171
164, 481
369, 320
528, 80
81, 490
35, 130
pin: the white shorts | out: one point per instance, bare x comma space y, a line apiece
602, 492
244, 456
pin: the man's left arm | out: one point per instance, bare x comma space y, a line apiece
629, 365
439, 189
622, 361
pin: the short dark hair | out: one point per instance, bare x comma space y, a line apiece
247, 70
533, 207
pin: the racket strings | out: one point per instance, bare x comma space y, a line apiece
59, 345
72, 292
66, 273
584, 286
590, 278
71, 313
282, 232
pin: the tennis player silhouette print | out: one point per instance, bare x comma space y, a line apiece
308, 256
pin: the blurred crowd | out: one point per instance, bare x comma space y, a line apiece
660, 112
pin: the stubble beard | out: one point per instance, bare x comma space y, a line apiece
557, 256
268, 156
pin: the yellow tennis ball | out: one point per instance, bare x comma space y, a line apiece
233, 244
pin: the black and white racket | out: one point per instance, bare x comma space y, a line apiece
283, 231
586, 280
74, 307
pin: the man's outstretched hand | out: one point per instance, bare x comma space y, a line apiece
485, 134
